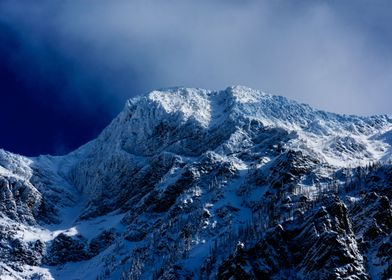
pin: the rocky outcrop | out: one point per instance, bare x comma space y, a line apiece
320, 245
198, 184
65, 249
19, 200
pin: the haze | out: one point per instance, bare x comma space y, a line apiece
90, 56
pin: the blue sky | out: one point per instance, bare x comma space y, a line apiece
66, 67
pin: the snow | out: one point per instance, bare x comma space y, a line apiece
92, 227
87, 228
130, 138
317, 129
162, 122
191, 103
243, 94
27, 272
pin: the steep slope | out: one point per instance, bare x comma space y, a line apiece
190, 183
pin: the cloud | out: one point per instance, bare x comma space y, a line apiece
316, 52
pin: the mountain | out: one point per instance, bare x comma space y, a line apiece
196, 184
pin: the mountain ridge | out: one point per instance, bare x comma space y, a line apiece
181, 172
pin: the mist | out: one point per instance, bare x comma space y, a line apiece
332, 55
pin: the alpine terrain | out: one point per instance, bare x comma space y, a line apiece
195, 184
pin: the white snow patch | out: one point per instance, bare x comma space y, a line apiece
191, 103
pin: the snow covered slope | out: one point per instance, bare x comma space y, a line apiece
191, 183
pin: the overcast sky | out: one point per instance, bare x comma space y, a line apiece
67, 67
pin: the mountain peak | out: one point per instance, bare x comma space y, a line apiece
191, 121
207, 106
211, 182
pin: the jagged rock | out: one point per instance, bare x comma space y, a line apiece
102, 241
19, 200
28, 253
65, 249
135, 235
323, 246
191, 183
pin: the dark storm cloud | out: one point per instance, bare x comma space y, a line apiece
334, 55
317, 52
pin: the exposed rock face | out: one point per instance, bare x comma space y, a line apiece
334, 239
321, 245
21, 202
197, 184
66, 249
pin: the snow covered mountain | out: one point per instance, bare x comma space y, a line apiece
196, 184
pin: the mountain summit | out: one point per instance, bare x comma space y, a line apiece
195, 184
